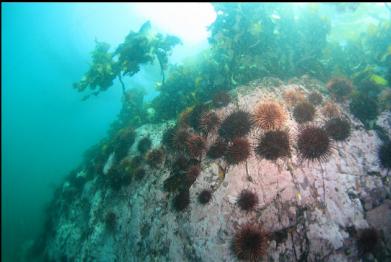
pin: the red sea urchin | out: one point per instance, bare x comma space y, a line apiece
250, 242
314, 144
238, 151
247, 200
274, 145
269, 115
237, 124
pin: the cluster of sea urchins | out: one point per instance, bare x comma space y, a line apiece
189, 141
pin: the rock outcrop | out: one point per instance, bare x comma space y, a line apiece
312, 210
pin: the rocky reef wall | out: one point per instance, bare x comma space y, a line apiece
313, 211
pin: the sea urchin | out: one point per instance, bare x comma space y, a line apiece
269, 115
217, 149
303, 112
181, 201
340, 88
250, 242
195, 145
204, 196
367, 240
155, 157
273, 145
238, 151
384, 154
209, 122
314, 144
237, 124
338, 129
247, 200
315, 98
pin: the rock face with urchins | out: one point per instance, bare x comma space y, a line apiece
309, 208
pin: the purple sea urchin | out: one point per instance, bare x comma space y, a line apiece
314, 144
155, 157
144, 145
340, 88
368, 239
315, 98
237, 124
209, 122
180, 139
168, 137
139, 173
304, 112
384, 154
195, 115
238, 151
217, 149
250, 242
330, 110
192, 173
181, 201
293, 96
195, 145
338, 129
180, 164
274, 145
247, 200
205, 196
221, 99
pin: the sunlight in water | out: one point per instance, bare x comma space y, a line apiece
189, 21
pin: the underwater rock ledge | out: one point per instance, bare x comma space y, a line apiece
313, 211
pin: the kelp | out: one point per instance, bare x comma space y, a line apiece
139, 48
247, 41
